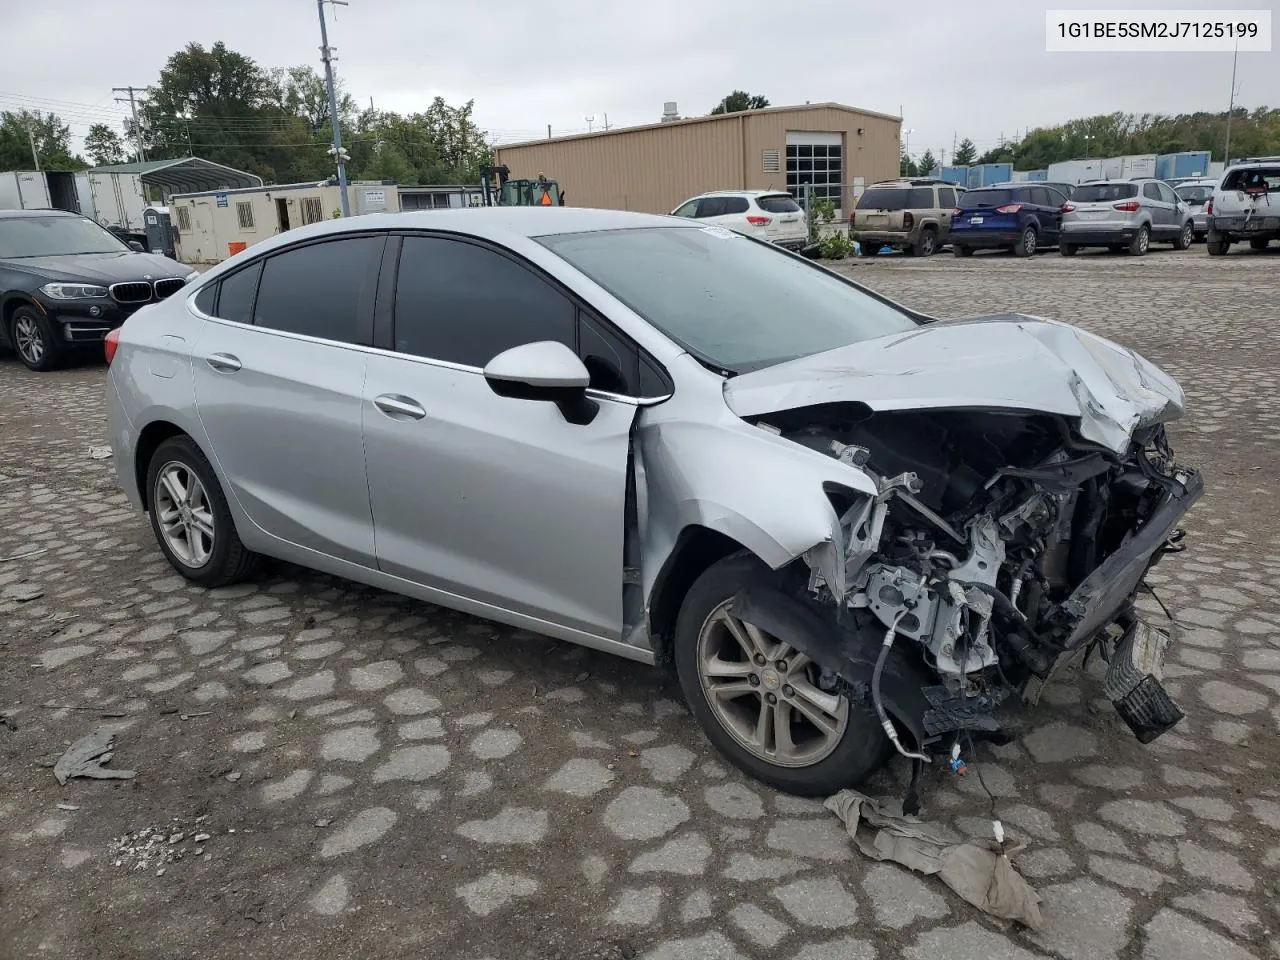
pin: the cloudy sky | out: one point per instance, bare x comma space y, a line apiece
971, 69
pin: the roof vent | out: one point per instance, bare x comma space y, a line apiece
669, 112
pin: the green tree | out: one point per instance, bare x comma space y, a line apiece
966, 153
389, 163
906, 166
926, 164
52, 137
738, 101
104, 145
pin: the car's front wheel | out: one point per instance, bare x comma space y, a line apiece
1068, 249
190, 517
758, 700
1259, 243
32, 337
959, 250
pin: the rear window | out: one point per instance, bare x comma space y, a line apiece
1194, 194
884, 198
977, 199
1253, 179
1104, 192
780, 203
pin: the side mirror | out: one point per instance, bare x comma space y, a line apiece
136, 247
547, 371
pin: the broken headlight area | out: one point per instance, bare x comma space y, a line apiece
998, 545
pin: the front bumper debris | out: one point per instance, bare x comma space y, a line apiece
1133, 682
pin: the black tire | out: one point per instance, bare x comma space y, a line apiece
1140, 243
959, 251
1028, 241
1115, 247
863, 748
230, 561
1218, 248
1258, 243
1186, 237
869, 248
928, 244
41, 354
1068, 249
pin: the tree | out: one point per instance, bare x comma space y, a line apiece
52, 137
738, 101
927, 163
104, 145
966, 153
906, 166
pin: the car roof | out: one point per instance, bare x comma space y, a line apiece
741, 193
41, 212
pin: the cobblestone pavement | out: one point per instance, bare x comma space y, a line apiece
336, 772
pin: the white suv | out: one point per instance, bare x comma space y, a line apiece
1245, 206
768, 214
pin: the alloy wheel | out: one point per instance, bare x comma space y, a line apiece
185, 515
762, 692
29, 339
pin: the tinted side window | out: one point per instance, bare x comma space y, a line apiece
464, 303
1056, 197
1151, 191
319, 290
711, 207
946, 197
207, 299
735, 205
236, 293
1040, 195
613, 365
921, 198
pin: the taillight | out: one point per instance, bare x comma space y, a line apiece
1068, 207
756, 221
1009, 208
110, 343
956, 212
1128, 206
907, 219
1208, 207
853, 215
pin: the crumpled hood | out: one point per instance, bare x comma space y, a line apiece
1006, 361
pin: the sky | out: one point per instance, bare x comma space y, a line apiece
976, 70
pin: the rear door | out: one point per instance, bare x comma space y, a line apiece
1162, 215
786, 218
496, 499
1179, 213
880, 208
1048, 214
279, 373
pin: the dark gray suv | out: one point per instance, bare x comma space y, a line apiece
911, 215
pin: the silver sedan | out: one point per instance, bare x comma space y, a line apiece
849, 528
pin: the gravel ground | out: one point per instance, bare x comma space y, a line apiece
325, 770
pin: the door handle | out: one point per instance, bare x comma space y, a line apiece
394, 405
223, 362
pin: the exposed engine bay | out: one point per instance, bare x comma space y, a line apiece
999, 543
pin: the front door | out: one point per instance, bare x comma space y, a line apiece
491, 498
278, 382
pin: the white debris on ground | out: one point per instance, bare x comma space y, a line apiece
155, 847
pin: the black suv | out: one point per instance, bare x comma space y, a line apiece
65, 282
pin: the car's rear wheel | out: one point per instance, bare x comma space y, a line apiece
33, 339
1068, 249
1027, 243
1186, 236
190, 517
927, 245
1259, 243
758, 700
1218, 248
959, 250
1140, 242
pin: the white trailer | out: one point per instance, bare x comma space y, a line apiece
1138, 165
116, 200
1075, 171
24, 190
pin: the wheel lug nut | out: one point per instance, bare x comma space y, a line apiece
787, 691
771, 698
759, 659
753, 680
781, 665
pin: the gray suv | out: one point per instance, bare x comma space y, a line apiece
1125, 214
911, 215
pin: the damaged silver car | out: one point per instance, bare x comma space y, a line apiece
848, 527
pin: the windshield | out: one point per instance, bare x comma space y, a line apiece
1104, 192
736, 303
54, 237
1194, 194
974, 199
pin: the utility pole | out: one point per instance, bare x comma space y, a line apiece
1226, 153
35, 157
133, 108
606, 121
339, 155
548, 131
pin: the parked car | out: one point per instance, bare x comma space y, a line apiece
1245, 206
1020, 217
592, 425
768, 214
1125, 214
911, 215
1196, 193
65, 282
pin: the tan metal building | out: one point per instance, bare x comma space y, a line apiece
653, 168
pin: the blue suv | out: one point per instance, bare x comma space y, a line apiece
1022, 218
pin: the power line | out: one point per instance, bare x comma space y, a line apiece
133, 108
